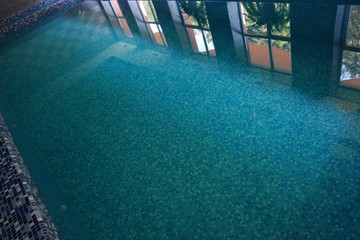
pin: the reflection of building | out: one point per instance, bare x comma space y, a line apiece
350, 47
117, 19
267, 42
243, 32
121, 19
199, 34
152, 24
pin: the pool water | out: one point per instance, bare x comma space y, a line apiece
144, 142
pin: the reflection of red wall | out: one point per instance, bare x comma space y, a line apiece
125, 27
157, 38
187, 20
282, 60
259, 55
192, 39
212, 52
353, 83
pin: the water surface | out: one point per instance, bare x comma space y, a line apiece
146, 142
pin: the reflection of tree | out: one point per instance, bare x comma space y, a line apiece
257, 41
350, 65
353, 33
275, 15
284, 45
148, 11
196, 11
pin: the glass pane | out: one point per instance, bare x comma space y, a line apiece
189, 20
196, 40
153, 10
281, 52
194, 13
350, 70
258, 50
162, 35
116, 7
254, 19
210, 43
280, 24
155, 33
125, 27
353, 31
146, 11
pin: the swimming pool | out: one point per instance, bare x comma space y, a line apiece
138, 140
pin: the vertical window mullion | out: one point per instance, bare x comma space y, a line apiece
206, 47
161, 34
270, 46
141, 13
242, 32
153, 11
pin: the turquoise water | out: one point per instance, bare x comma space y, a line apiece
141, 142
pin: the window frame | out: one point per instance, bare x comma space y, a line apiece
198, 27
269, 37
155, 22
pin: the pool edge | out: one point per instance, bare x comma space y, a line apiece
17, 24
24, 215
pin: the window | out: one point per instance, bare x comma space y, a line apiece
196, 23
151, 21
350, 68
121, 19
265, 28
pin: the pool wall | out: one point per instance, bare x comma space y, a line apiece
22, 213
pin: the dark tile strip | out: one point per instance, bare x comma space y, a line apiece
26, 12
13, 30
22, 213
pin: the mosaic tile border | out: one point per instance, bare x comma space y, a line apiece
22, 213
26, 12
13, 26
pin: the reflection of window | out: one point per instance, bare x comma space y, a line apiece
259, 52
121, 19
197, 26
350, 69
152, 24
281, 55
353, 31
265, 28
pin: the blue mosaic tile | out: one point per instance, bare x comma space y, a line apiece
152, 147
22, 213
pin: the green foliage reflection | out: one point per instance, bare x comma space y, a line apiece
260, 16
196, 11
350, 65
353, 32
